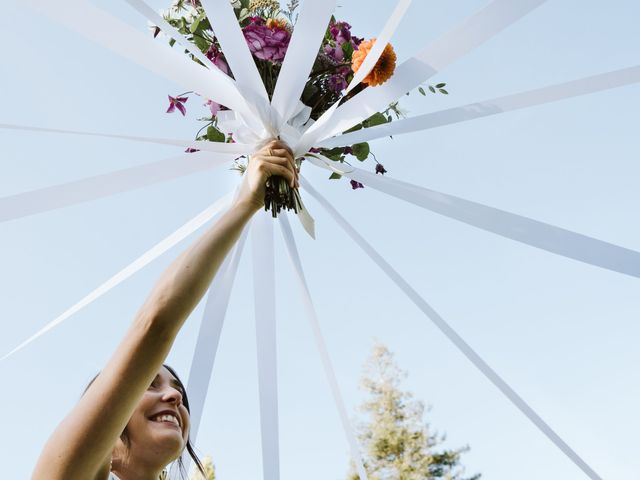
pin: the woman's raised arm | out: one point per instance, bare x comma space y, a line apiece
80, 447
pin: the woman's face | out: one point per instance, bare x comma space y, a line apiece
160, 422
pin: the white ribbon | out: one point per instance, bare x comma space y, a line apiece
236, 51
113, 34
516, 227
315, 131
320, 344
452, 335
448, 48
265, 312
507, 103
217, 147
204, 355
137, 265
300, 57
157, 19
101, 186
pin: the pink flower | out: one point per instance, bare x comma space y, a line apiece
340, 32
217, 58
335, 53
177, 102
213, 107
266, 43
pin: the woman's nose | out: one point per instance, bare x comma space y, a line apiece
172, 395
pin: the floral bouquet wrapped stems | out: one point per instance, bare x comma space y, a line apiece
267, 29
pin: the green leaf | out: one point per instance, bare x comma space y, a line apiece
433, 90
347, 48
361, 150
354, 128
375, 119
196, 23
440, 85
421, 90
335, 176
201, 43
172, 42
215, 135
442, 90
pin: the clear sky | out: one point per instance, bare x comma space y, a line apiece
563, 334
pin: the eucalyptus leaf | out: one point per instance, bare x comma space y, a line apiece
421, 90
440, 85
433, 90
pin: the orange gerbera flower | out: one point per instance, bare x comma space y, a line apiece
383, 70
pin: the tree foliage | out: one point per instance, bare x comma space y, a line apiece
209, 469
397, 443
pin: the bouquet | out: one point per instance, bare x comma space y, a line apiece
267, 29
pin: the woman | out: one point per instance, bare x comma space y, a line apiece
133, 419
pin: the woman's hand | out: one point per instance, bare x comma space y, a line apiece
275, 158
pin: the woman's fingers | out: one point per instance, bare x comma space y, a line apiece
271, 168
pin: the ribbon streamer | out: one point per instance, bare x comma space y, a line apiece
539, 96
300, 57
137, 265
516, 227
452, 335
155, 18
227, 30
217, 147
314, 132
204, 355
105, 185
265, 312
320, 344
112, 33
448, 48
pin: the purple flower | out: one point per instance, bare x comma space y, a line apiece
337, 83
336, 53
266, 43
380, 169
218, 59
340, 32
355, 185
191, 150
177, 102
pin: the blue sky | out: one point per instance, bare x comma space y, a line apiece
562, 333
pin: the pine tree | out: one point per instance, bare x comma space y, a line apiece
209, 469
397, 443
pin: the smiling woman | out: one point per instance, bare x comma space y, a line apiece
133, 419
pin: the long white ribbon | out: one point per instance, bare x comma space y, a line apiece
320, 344
137, 265
452, 335
101, 186
112, 33
448, 48
315, 131
204, 354
236, 51
217, 147
516, 227
157, 19
305, 40
265, 312
507, 103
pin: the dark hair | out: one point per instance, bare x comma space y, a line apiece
185, 402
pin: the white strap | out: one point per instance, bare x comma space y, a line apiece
305, 41
105, 185
137, 265
451, 334
516, 227
320, 344
217, 147
264, 291
112, 33
448, 48
206, 349
507, 103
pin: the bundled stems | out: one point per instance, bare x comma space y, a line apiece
279, 195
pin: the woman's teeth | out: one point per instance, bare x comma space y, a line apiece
167, 418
